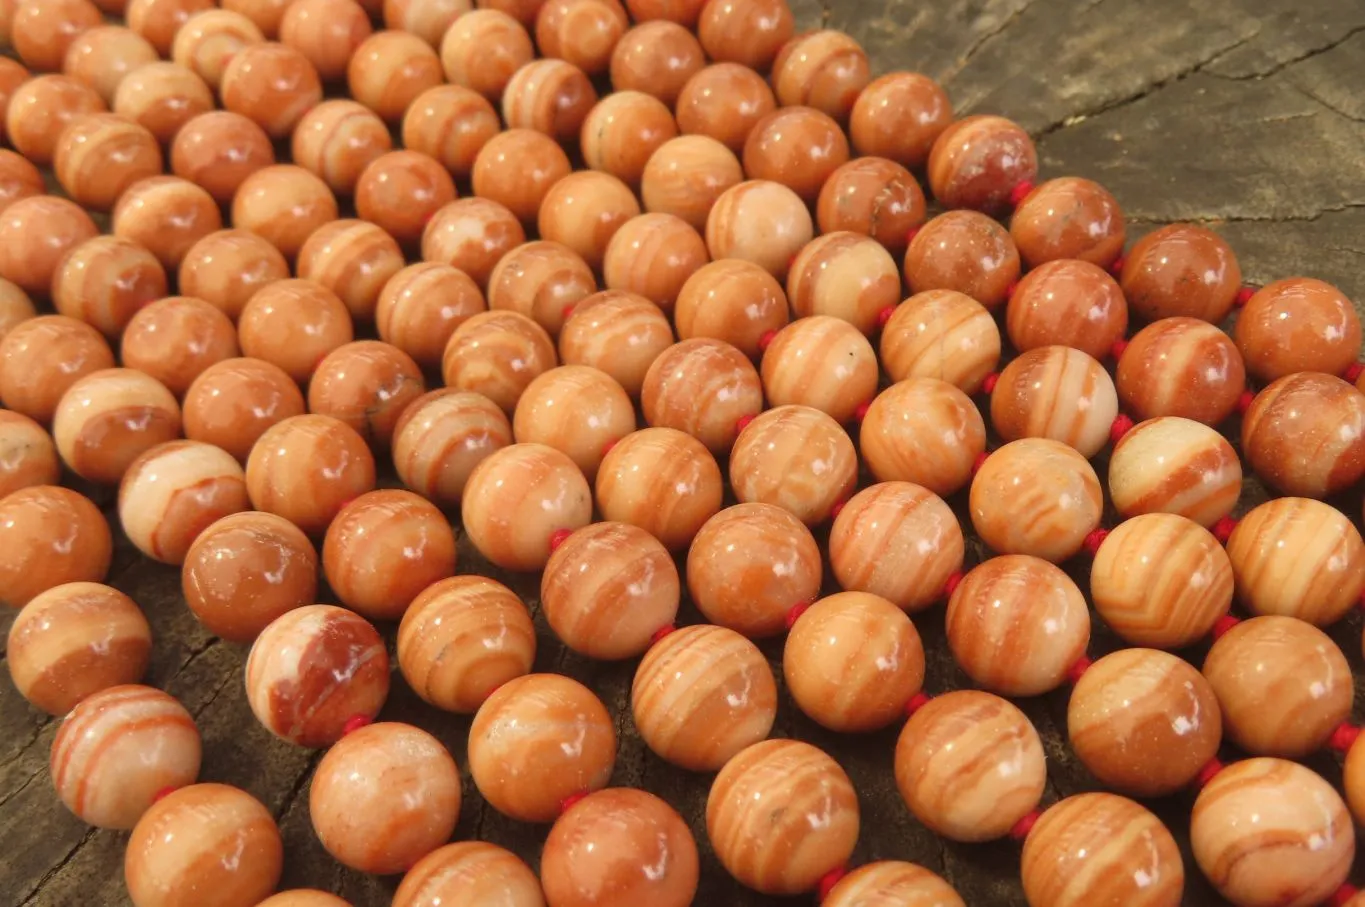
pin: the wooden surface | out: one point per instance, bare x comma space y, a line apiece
1245, 114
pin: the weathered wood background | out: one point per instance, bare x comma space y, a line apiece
1244, 114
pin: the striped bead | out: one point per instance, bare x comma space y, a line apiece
662, 480
797, 458
518, 498
1036, 496
758, 220
175, 491
469, 872
441, 436
617, 332
1058, 393
1181, 367
110, 418
1067, 303
1175, 465
925, 431
497, 354
577, 410
703, 387
354, 259
822, 362
541, 280
1305, 435
844, 275
941, 334
891, 883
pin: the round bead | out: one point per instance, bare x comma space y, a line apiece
354, 259
366, 384
337, 140
303, 897
978, 162
749, 565
1353, 782
247, 569
620, 847
273, 85
799, 147
653, 255
472, 234
734, 301
163, 97
683, 12
1181, 270
873, 197
306, 468
109, 418
723, 102
267, 14
232, 403
19, 179
970, 765
844, 275
825, 69
703, 387
728, 697
293, 325
226, 269
441, 436
326, 32
117, 749
206, 44
51, 536
852, 661
622, 132
159, 20
102, 57
1267, 832
540, 280
218, 151
941, 334
890, 883
1059, 393
401, 191
1174, 465
518, 498
1298, 325
1069, 218
470, 872
313, 669
167, 215
42, 357
964, 251
105, 281
1283, 685
1067, 303
389, 70
899, 116
12, 76
451, 124
822, 362
662, 480
1095, 846
35, 236
27, 454
656, 57
537, 740
924, 431
759, 221
750, 34
1305, 435
797, 458
175, 339
583, 32
173, 492
1181, 367
781, 814
483, 49
75, 639
617, 332
15, 307
551, 97
461, 639
203, 838
1016, 624
1144, 722
516, 169
577, 410
497, 354
427, 19
422, 305
686, 175
285, 205
1299, 558
42, 30
1038, 497
41, 108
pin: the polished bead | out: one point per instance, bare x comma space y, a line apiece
656, 57
518, 498
15, 307
822, 362
1305, 435
578, 411
523, 11
366, 384
389, 70
844, 275
890, 883
267, 14
584, 210
176, 339
1059, 393
978, 162
922, 430
173, 492
159, 20
622, 132
273, 85
825, 69
313, 669
19, 179
682, 12
1067, 303
27, 454
42, 30
337, 140
686, 175
35, 236
483, 49
109, 418
306, 468
12, 76
749, 33
206, 44
734, 301
233, 402
105, 281
441, 436
40, 108
1181, 367
898, 116
782, 814
874, 197
470, 872
167, 215
497, 354
294, 325
226, 269
662, 480
1353, 783
354, 259
797, 458
401, 191
163, 97
799, 147
941, 334
450, 124
516, 169
304, 897
537, 740
1174, 465
654, 255
421, 306
551, 97
1038, 497
582, 32
723, 102
101, 57
326, 32
617, 332
42, 357
218, 151
540, 280
1181, 270
285, 204
472, 234
1298, 325
964, 251
703, 387
427, 19
1069, 218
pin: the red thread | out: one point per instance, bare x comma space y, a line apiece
885, 315
1361, 603
1222, 530
917, 702
743, 423
1244, 402
861, 412
765, 340
1354, 371
1020, 192
164, 793
1244, 296
1122, 425
661, 633
1094, 540
355, 723
989, 382
795, 613
1117, 267
1223, 625
1010, 288
1118, 349
1211, 768
1344, 737
830, 879
954, 580
979, 461
1077, 670
1021, 829
837, 509
609, 446
912, 233
559, 537
791, 262
571, 801
568, 310
1343, 895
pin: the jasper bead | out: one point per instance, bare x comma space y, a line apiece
470, 872
35, 236
245, 570
723, 102
1181, 270
970, 765
523, 11
1181, 367
232, 403
1067, 303
1059, 393
42, 357
313, 669
159, 20
173, 492
516, 169
703, 387
978, 161
175, 339
1353, 782
799, 147
899, 116
450, 124
427, 19
941, 334
852, 661
734, 301
422, 305
552, 97
27, 454
537, 740
759, 221
540, 280
749, 565
294, 325
889, 883
619, 847
924, 431
656, 57
117, 749
821, 362
797, 458
1174, 465
109, 418
326, 32
1144, 722
102, 56
497, 354
105, 281
75, 639
218, 151
1093, 848
225, 269
472, 234
964, 251
306, 468
686, 175
577, 410
12, 76
461, 639
41, 108
617, 332
304, 897
873, 197
1298, 325
207, 844
781, 814
844, 275
1069, 218
19, 179
653, 255
622, 132
15, 307
483, 49
206, 43
273, 85
583, 211
1036, 496
337, 140
1271, 833
1305, 435
163, 97
581, 32
702, 694
401, 191
42, 30
267, 14
285, 205
825, 69
518, 498
682, 12
354, 259
662, 480
167, 215
750, 34
1283, 685
441, 436
366, 384
389, 70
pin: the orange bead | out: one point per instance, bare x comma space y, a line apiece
27, 454
734, 301
656, 57
267, 14
401, 191
683, 12
226, 269
232, 403
978, 162
422, 305
40, 108
472, 234
924, 431
159, 20
389, 70
167, 215
1038, 497
219, 150
662, 480
703, 387
42, 30
42, 357
654, 255
583, 32
450, 124
551, 97
35, 236
1305, 435
105, 281
326, 32
941, 334
874, 197
176, 339
1353, 783
518, 498
497, 354
285, 204
686, 175
618, 333
12, 76
847, 276
821, 362
964, 251
303, 897
103, 56
797, 458
577, 410
306, 468
1058, 393
273, 85
1298, 325
723, 102
825, 69
1174, 465
1067, 303
354, 259
483, 49
366, 384
1181, 367
1069, 218
622, 132
337, 140
759, 221
163, 97
541, 280
294, 325
106, 420
1181, 270
427, 19
583, 211
750, 33
516, 169
206, 44
19, 179
891, 882
898, 117
173, 492
441, 436
470, 871
15, 307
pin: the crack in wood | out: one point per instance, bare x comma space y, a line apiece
1325, 104
31, 897
24, 748
982, 41
229, 675
1292, 61
194, 656
298, 784
20, 789
1247, 218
